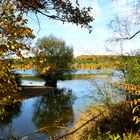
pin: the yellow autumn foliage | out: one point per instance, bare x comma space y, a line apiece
15, 36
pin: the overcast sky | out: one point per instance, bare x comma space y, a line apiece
83, 42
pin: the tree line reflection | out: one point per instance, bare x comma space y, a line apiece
54, 112
51, 113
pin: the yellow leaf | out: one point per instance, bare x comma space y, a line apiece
13, 47
15, 34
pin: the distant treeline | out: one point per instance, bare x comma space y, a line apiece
96, 62
80, 62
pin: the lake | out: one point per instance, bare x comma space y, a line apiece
53, 113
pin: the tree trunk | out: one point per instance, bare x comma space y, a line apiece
49, 81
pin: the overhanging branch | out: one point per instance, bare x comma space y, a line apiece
62, 10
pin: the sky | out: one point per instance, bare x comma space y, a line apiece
80, 39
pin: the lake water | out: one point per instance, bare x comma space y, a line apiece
49, 115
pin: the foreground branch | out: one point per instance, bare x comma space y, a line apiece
75, 130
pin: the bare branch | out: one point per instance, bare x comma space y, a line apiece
131, 37
123, 27
38, 24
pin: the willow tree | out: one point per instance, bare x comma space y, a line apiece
15, 36
54, 59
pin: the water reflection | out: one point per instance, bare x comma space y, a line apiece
54, 112
7, 114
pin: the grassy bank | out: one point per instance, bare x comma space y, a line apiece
113, 122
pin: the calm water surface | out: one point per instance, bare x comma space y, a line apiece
51, 113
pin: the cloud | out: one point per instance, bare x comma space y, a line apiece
121, 3
123, 7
